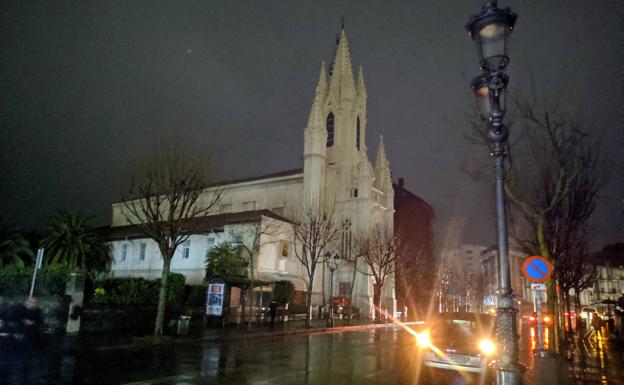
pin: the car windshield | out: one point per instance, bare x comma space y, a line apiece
460, 328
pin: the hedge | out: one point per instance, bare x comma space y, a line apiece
137, 291
16, 281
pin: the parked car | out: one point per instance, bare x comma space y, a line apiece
547, 318
588, 312
459, 342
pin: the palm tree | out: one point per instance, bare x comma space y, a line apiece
70, 240
225, 260
14, 248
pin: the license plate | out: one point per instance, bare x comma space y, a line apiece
458, 358
451, 358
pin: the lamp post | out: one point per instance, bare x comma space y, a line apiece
490, 30
332, 265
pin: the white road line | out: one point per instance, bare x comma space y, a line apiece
163, 380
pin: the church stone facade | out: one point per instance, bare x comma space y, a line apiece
335, 168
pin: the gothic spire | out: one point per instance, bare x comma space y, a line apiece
382, 161
342, 84
319, 97
382, 168
361, 88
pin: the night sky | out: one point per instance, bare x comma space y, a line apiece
90, 87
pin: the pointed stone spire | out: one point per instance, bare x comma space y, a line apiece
321, 87
382, 161
361, 87
383, 179
342, 84
319, 97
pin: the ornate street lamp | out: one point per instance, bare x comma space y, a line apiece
332, 265
490, 30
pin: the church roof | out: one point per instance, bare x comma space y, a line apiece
199, 225
260, 177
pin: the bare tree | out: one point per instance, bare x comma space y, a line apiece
414, 280
576, 272
251, 238
166, 198
553, 178
379, 251
314, 230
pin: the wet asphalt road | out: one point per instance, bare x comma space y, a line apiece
379, 356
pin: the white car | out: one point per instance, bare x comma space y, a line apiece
459, 342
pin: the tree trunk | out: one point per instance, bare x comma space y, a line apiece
243, 303
162, 296
377, 301
577, 308
353, 283
568, 308
551, 286
252, 314
309, 304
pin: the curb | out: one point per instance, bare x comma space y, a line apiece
243, 335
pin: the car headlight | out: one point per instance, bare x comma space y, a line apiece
487, 347
423, 339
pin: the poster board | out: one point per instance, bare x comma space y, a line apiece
214, 300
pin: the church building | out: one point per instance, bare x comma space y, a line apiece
335, 167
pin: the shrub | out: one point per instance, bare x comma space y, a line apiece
137, 291
351, 311
297, 308
195, 295
175, 292
51, 280
283, 292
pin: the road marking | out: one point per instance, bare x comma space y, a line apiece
163, 380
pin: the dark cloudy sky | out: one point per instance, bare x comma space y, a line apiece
87, 87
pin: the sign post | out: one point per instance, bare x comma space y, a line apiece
538, 289
37, 267
537, 270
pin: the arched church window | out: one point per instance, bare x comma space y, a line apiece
357, 134
346, 239
330, 129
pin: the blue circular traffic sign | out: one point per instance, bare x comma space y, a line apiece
537, 269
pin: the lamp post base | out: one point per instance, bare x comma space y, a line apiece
550, 369
509, 375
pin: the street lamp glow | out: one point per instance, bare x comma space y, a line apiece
487, 346
423, 339
490, 31
481, 89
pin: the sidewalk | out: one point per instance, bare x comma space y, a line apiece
589, 359
234, 332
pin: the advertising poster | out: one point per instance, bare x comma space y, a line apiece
214, 302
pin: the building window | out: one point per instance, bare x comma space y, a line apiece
142, 248
357, 134
354, 193
284, 252
210, 244
346, 240
124, 251
186, 249
330, 129
344, 289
